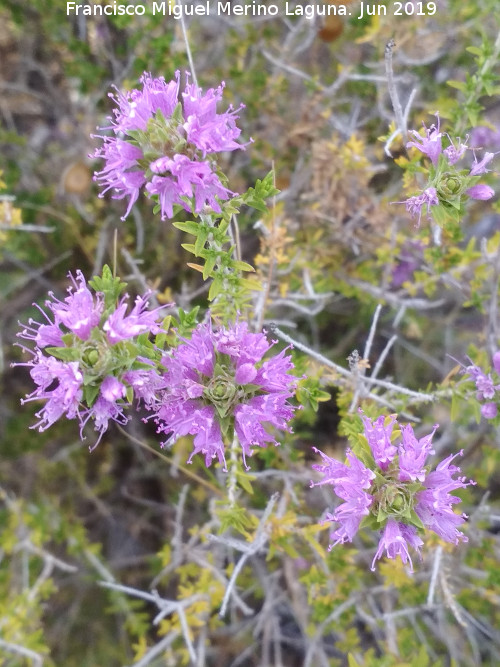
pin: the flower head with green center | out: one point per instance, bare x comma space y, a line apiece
217, 385
168, 145
389, 488
89, 362
448, 186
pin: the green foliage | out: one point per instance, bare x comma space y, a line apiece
483, 82
110, 286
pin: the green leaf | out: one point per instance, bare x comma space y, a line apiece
244, 480
90, 393
187, 321
242, 266
190, 227
459, 85
201, 239
110, 286
161, 338
474, 50
415, 521
210, 265
215, 288
64, 353
233, 517
189, 247
68, 339
255, 197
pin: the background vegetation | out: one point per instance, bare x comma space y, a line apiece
343, 271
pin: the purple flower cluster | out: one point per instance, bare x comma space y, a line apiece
447, 186
486, 388
217, 387
167, 145
389, 487
81, 364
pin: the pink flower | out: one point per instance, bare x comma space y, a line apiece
81, 365
489, 410
189, 179
395, 540
480, 191
434, 503
217, 386
78, 313
480, 167
112, 389
379, 439
413, 454
395, 492
145, 383
175, 169
136, 108
430, 145
485, 386
122, 173
485, 137
496, 361
349, 482
140, 320
455, 153
414, 205
62, 399
101, 412
209, 131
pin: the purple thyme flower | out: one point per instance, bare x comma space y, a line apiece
64, 398
218, 387
489, 410
78, 312
112, 389
415, 204
413, 454
486, 388
395, 493
140, 320
188, 179
434, 503
480, 191
496, 361
167, 145
379, 439
480, 167
82, 352
136, 108
448, 187
209, 131
395, 540
455, 153
348, 483
122, 173
101, 412
430, 145
146, 383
